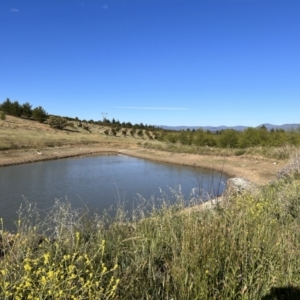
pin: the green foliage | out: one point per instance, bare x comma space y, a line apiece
39, 114
140, 133
27, 109
57, 122
239, 152
251, 137
228, 139
6, 106
16, 109
2, 115
124, 132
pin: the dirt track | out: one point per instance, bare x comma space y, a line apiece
256, 170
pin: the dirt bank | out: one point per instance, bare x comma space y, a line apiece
260, 171
256, 170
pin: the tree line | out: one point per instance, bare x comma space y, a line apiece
14, 108
230, 138
23, 110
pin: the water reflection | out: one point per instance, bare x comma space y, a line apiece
98, 182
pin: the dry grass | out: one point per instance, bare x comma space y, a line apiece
17, 133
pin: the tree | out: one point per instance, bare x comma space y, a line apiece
57, 122
229, 138
6, 106
140, 133
249, 138
27, 111
114, 132
16, 109
132, 132
39, 114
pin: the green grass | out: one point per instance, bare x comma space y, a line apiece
238, 252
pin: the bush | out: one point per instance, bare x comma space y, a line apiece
39, 114
86, 127
57, 122
239, 152
2, 115
114, 132
124, 132
228, 138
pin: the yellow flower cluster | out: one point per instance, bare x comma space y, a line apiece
76, 275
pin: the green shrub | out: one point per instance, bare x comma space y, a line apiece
57, 122
239, 152
2, 115
39, 114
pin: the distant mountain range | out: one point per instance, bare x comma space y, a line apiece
238, 128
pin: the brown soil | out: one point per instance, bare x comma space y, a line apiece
257, 170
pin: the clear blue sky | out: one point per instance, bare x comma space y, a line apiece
159, 62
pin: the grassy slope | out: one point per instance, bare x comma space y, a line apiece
17, 133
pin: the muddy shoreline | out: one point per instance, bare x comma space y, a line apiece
260, 171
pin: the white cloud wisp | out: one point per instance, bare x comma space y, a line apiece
152, 108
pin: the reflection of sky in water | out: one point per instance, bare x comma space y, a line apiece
99, 182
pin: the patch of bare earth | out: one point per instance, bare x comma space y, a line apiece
257, 170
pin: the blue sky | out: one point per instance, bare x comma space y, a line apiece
159, 62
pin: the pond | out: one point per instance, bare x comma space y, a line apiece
101, 182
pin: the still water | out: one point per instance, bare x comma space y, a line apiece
99, 182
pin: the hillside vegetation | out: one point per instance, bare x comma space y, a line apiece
23, 127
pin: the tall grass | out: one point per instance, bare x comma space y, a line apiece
238, 252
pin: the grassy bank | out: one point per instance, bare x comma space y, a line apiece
238, 252
18, 133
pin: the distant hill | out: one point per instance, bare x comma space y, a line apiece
238, 128
284, 126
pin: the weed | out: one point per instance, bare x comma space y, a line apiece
243, 251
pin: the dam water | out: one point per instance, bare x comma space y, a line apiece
102, 183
